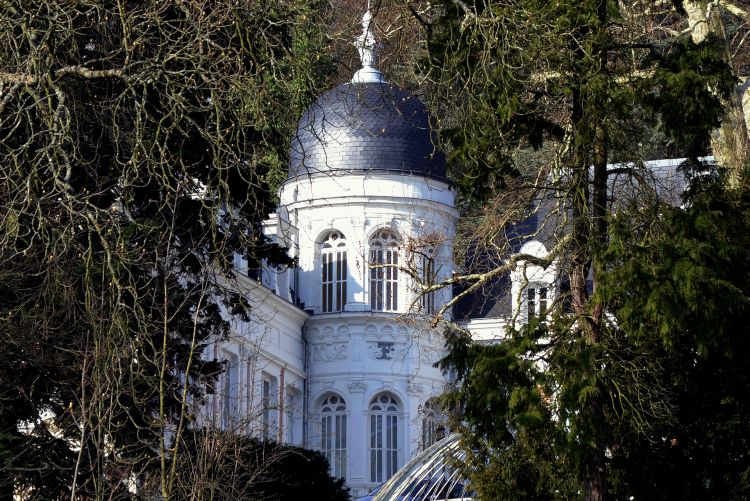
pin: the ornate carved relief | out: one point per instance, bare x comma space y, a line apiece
381, 350
357, 386
415, 389
329, 352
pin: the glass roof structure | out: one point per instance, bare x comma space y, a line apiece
434, 474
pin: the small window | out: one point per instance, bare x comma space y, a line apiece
268, 408
537, 302
384, 261
291, 413
229, 397
542, 302
531, 303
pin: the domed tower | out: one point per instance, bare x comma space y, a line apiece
375, 214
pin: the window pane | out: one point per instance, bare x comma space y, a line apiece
373, 466
384, 437
323, 433
530, 303
379, 431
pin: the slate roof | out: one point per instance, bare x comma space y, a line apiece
366, 127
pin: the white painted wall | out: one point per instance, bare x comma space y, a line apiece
347, 355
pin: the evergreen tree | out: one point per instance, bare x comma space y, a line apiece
680, 292
543, 411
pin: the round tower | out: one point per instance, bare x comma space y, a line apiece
367, 192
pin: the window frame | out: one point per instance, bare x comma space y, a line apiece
428, 276
333, 272
333, 433
384, 278
269, 407
229, 393
384, 430
431, 421
537, 299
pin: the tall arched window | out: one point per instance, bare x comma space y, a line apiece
384, 250
333, 434
433, 428
383, 438
333, 266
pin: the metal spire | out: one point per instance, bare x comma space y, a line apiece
367, 48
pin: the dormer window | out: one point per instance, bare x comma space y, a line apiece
333, 272
533, 287
384, 251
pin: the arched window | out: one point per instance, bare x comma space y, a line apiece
384, 250
433, 428
333, 266
333, 434
383, 438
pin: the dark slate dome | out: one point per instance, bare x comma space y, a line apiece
370, 126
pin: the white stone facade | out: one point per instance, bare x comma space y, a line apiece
297, 359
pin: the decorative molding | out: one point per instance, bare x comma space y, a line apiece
415, 389
381, 350
329, 352
328, 385
357, 386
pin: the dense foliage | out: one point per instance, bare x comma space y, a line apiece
138, 142
671, 368
681, 294
548, 412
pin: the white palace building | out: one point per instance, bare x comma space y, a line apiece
340, 353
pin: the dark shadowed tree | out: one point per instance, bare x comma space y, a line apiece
138, 141
580, 82
217, 465
679, 289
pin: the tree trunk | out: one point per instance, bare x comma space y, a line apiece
730, 142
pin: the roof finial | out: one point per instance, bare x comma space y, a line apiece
367, 47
